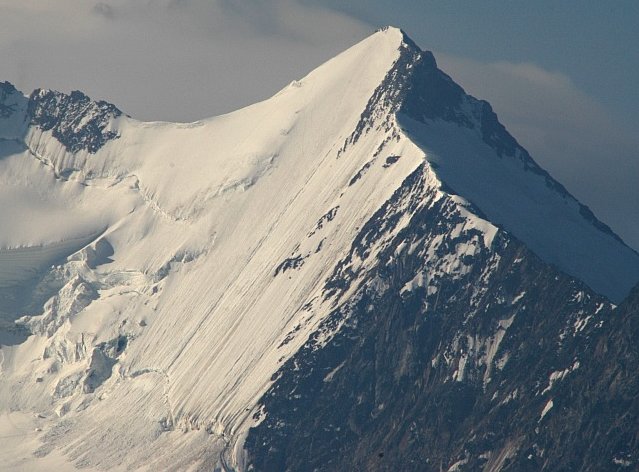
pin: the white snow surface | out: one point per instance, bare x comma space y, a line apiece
171, 235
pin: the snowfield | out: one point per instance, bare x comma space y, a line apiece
172, 270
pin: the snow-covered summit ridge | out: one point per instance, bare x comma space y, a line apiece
475, 157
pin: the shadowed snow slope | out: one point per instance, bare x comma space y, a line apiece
206, 247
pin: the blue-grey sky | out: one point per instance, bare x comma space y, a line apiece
562, 75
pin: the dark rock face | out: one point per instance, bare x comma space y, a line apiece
74, 120
7, 107
502, 363
597, 427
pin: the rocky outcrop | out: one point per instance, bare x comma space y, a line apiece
75, 120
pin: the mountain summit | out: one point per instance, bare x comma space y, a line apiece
472, 153
185, 294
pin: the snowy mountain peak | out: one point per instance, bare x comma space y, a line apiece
475, 157
167, 271
396, 35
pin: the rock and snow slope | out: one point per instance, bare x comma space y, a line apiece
172, 269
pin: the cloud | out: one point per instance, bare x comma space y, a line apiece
566, 131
